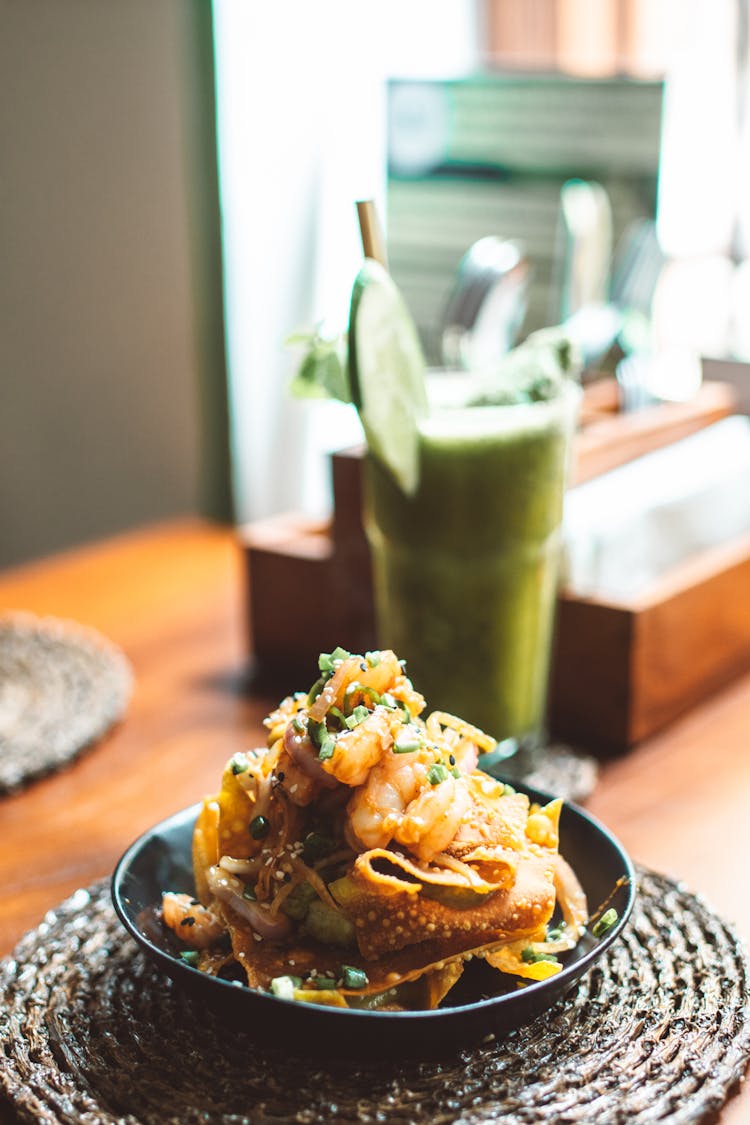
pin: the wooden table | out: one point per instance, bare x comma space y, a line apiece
171, 597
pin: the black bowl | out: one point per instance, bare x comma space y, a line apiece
482, 1002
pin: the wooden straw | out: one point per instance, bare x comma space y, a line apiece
373, 242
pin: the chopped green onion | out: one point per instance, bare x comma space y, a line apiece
337, 714
190, 956
316, 689
327, 748
238, 766
606, 922
327, 661
406, 744
456, 771
259, 827
388, 701
353, 978
372, 658
284, 987
249, 894
298, 725
531, 956
436, 773
357, 686
318, 732
326, 983
358, 715
556, 933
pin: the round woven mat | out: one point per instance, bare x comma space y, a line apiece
656, 1032
62, 686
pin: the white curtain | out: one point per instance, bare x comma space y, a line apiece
301, 114
701, 303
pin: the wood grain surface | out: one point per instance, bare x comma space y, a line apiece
172, 597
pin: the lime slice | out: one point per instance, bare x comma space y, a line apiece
387, 368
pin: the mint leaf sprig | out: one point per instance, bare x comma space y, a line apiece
324, 368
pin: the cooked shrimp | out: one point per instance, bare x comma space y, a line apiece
400, 802
403, 689
356, 751
432, 819
377, 675
299, 787
193, 923
376, 807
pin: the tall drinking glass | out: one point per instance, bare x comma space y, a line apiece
466, 568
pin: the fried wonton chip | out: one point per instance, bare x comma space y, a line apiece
389, 914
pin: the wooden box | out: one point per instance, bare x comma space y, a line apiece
623, 670
620, 671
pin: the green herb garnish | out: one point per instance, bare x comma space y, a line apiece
326, 750
190, 957
358, 715
407, 744
320, 737
316, 689
606, 922
324, 369
329, 661
356, 688
238, 766
532, 956
352, 977
437, 773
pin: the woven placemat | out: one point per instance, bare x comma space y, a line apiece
62, 685
655, 1032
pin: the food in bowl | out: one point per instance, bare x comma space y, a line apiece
361, 857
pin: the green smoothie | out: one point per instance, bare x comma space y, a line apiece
466, 567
